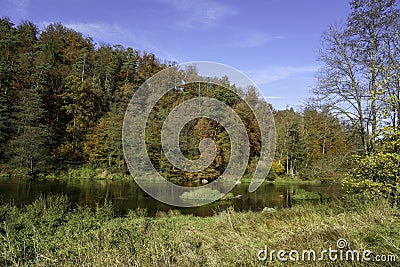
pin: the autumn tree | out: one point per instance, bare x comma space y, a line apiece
290, 150
359, 82
103, 145
80, 102
327, 145
354, 68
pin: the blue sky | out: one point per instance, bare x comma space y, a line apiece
274, 42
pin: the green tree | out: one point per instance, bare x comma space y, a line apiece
4, 122
327, 145
9, 43
377, 175
290, 149
103, 145
29, 147
80, 102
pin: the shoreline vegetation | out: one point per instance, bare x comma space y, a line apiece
67, 98
49, 232
103, 174
62, 105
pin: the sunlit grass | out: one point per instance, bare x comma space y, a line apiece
49, 232
283, 180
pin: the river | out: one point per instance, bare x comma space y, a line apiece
126, 195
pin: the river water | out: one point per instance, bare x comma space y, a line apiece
126, 195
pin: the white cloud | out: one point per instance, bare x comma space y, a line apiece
200, 14
251, 39
101, 32
272, 74
18, 7
274, 97
116, 34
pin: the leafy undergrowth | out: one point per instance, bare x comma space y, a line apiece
50, 233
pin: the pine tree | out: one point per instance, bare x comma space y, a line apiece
29, 147
9, 43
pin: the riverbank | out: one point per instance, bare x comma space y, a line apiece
284, 180
82, 172
103, 174
49, 232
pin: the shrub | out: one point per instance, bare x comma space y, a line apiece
377, 174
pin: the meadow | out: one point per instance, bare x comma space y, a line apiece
50, 232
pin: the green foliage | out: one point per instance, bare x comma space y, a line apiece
310, 145
201, 194
277, 170
29, 144
377, 174
359, 78
228, 196
49, 232
82, 173
89, 172
80, 103
64, 97
103, 145
80, 93
4, 120
302, 194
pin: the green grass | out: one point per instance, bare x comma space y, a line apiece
302, 194
88, 173
49, 232
284, 180
289, 180
201, 194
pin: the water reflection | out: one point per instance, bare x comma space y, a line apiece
127, 195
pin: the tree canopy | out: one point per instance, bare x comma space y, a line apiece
63, 99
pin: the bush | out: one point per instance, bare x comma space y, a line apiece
377, 174
276, 170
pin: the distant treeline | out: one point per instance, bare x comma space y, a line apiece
63, 99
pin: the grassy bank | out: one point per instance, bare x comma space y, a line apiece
49, 233
87, 172
283, 180
289, 180
66, 172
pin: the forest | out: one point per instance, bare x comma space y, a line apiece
63, 98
